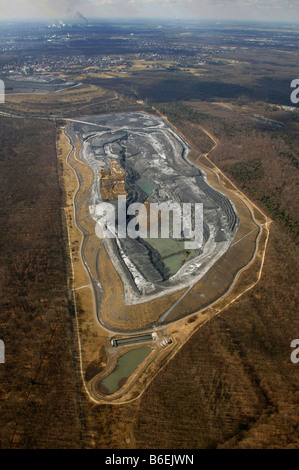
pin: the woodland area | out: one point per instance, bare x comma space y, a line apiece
39, 405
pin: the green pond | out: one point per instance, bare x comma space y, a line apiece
126, 364
172, 252
146, 185
174, 263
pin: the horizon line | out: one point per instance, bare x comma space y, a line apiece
152, 18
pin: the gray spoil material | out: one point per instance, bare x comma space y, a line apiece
146, 259
146, 147
37, 84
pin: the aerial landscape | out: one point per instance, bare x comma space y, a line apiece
150, 227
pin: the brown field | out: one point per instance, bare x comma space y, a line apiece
81, 101
47, 105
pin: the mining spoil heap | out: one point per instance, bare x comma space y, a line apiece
143, 158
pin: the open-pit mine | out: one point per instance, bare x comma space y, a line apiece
138, 299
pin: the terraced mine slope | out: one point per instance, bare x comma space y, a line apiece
142, 158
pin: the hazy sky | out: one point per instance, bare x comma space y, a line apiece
286, 10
